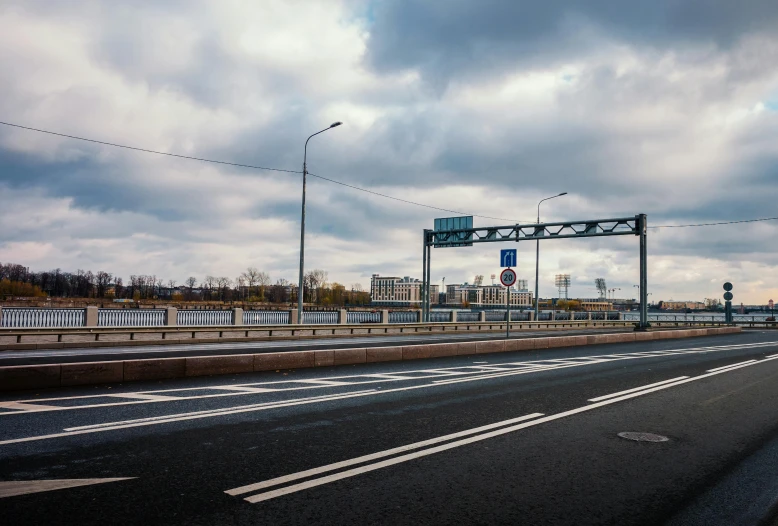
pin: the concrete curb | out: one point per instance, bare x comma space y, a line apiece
20, 377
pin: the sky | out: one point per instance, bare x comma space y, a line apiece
483, 108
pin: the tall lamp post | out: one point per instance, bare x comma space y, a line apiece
537, 255
300, 290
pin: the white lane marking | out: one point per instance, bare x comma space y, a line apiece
484, 436
243, 389
320, 382
480, 362
536, 365
157, 420
23, 406
614, 395
366, 458
142, 396
215, 412
12, 488
728, 366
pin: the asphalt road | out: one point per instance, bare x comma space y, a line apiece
509, 438
174, 350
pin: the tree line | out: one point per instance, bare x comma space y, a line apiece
251, 285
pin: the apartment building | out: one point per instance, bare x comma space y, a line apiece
486, 296
392, 291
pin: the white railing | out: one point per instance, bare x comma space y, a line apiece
396, 317
204, 317
22, 317
130, 317
266, 317
468, 316
369, 317
320, 318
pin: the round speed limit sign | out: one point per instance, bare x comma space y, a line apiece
508, 277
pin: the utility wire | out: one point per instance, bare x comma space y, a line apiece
250, 166
255, 167
149, 151
719, 223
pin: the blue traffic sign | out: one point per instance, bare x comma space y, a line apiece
508, 257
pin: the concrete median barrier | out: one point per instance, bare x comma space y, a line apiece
211, 365
19, 377
490, 346
417, 352
525, 344
154, 369
349, 356
323, 358
55, 375
284, 360
383, 354
87, 373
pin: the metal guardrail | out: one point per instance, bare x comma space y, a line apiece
204, 317
263, 317
468, 316
394, 317
437, 317
320, 318
130, 317
34, 318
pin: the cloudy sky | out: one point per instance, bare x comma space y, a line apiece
663, 107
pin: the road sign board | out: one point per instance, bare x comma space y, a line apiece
727, 286
458, 239
770, 304
728, 296
508, 257
508, 277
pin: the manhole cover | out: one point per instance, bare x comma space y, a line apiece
643, 437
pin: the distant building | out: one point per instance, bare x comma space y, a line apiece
682, 305
486, 296
596, 305
392, 291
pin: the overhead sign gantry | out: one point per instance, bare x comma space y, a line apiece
449, 233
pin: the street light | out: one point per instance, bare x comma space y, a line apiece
302, 225
537, 254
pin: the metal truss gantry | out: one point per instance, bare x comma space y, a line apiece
636, 226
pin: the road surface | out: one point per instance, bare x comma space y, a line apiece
509, 438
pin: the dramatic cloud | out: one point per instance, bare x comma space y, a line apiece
665, 108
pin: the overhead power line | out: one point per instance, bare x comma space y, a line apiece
719, 223
353, 187
255, 167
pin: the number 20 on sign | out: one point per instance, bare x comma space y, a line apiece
508, 277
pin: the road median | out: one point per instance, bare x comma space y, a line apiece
20, 377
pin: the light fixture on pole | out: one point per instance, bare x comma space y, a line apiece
300, 290
537, 254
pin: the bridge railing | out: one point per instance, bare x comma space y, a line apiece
23, 317
130, 317
18, 317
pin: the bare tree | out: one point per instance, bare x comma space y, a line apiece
190, 282
223, 283
251, 276
263, 280
103, 279
240, 285
210, 283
